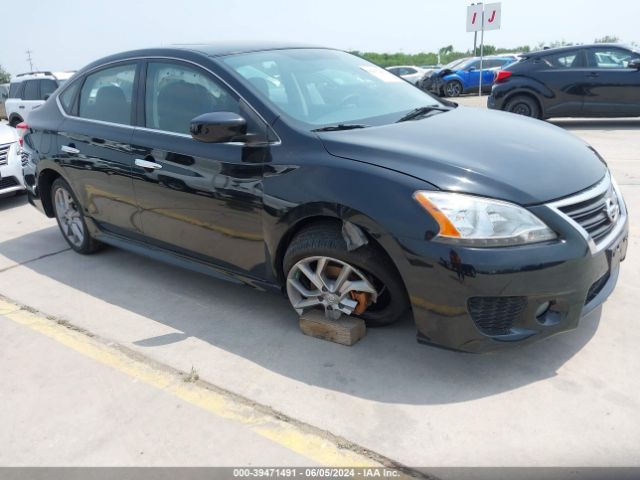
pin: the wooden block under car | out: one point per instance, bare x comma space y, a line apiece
345, 331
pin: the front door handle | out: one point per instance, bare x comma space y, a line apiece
69, 149
593, 74
147, 164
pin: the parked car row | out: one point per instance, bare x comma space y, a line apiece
601, 80
410, 73
30, 90
11, 177
316, 173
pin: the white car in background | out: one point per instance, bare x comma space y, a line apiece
30, 90
11, 179
410, 73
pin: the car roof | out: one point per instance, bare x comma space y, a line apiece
550, 51
43, 74
219, 49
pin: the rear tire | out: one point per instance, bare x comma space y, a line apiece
453, 88
68, 212
523, 105
325, 241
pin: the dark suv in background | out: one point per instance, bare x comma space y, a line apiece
601, 80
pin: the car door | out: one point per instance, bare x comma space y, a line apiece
614, 88
566, 79
94, 141
470, 75
202, 200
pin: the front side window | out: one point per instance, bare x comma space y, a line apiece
30, 90
106, 95
611, 58
319, 87
176, 94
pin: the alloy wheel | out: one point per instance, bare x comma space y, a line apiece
453, 89
69, 217
331, 284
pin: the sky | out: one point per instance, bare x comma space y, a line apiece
68, 34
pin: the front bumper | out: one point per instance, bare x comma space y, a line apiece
478, 300
11, 179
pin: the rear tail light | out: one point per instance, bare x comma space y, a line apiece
22, 131
502, 76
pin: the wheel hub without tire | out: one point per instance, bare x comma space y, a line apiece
331, 284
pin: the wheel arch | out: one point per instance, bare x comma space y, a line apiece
305, 216
46, 177
525, 92
14, 119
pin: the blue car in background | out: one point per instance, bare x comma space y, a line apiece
463, 75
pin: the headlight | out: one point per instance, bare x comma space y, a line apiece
482, 222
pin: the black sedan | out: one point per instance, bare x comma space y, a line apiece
314, 172
601, 80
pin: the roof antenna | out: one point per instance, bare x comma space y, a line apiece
28, 52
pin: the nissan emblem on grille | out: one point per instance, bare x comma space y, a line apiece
612, 208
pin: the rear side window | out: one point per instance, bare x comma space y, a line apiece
107, 95
15, 89
563, 60
47, 87
31, 90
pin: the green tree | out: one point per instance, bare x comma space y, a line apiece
607, 39
5, 77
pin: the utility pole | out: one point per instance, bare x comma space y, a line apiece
28, 52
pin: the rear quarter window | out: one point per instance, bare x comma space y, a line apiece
68, 98
15, 89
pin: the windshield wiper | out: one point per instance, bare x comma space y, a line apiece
422, 111
340, 126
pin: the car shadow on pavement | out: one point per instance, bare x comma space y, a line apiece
386, 366
12, 200
598, 124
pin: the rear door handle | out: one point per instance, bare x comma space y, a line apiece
593, 74
69, 149
147, 164
21, 106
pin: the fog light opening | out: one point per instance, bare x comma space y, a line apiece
542, 310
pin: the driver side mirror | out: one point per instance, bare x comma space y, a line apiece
635, 63
471, 69
218, 127
46, 97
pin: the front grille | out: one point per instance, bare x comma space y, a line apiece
4, 153
597, 287
496, 315
6, 182
591, 212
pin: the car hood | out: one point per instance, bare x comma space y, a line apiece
7, 134
476, 151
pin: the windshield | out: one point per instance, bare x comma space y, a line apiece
319, 87
455, 63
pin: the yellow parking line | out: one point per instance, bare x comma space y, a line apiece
304, 441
